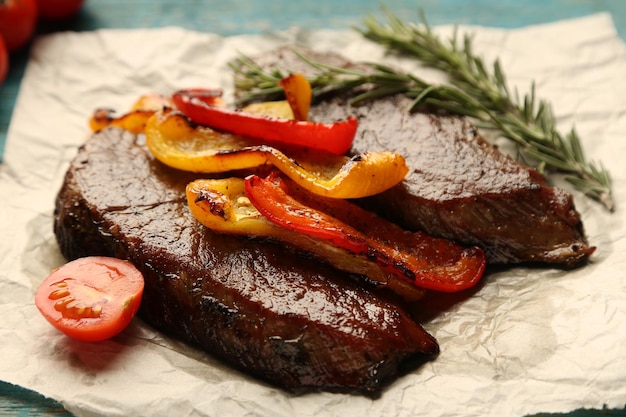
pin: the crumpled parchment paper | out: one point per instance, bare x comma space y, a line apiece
530, 340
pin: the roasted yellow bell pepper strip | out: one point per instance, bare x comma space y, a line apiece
335, 231
177, 142
133, 121
222, 206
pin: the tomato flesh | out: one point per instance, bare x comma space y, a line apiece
92, 298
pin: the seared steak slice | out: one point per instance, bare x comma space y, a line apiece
459, 187
284, 319
462, 188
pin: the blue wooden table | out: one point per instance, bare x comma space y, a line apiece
258, 16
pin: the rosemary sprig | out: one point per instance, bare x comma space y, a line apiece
253, 83
530, 123
472, 91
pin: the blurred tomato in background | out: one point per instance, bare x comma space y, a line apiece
18, 19
58, 9
4, 60
19, 22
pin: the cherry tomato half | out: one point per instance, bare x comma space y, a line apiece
92, 298
4, 60
58, 9
17, 22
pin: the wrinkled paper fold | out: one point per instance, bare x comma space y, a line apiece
529, 340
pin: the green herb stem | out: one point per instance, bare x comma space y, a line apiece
473, 91
530, 123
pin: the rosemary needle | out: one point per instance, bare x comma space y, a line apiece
531, 123
473, 91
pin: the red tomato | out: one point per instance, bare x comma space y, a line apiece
17, 22
4, 60
92, 298
58, 9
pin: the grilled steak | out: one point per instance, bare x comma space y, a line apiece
462, 188
459, 187
285, 319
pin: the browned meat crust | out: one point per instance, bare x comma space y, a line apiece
459, 187
462, 188
280, 317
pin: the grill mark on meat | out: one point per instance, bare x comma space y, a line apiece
285, 319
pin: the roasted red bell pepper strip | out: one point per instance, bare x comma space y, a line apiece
222, 206
335, 138
209, 96
413, 257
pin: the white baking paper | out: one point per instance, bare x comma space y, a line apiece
530, 340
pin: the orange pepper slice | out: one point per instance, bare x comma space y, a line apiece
133, 121
298, 92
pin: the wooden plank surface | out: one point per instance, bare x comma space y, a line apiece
248, 16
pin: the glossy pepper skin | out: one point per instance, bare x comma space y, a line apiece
337, 232
335, 138
175, 141
222, 206
298, 93
414, 257
135, 120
